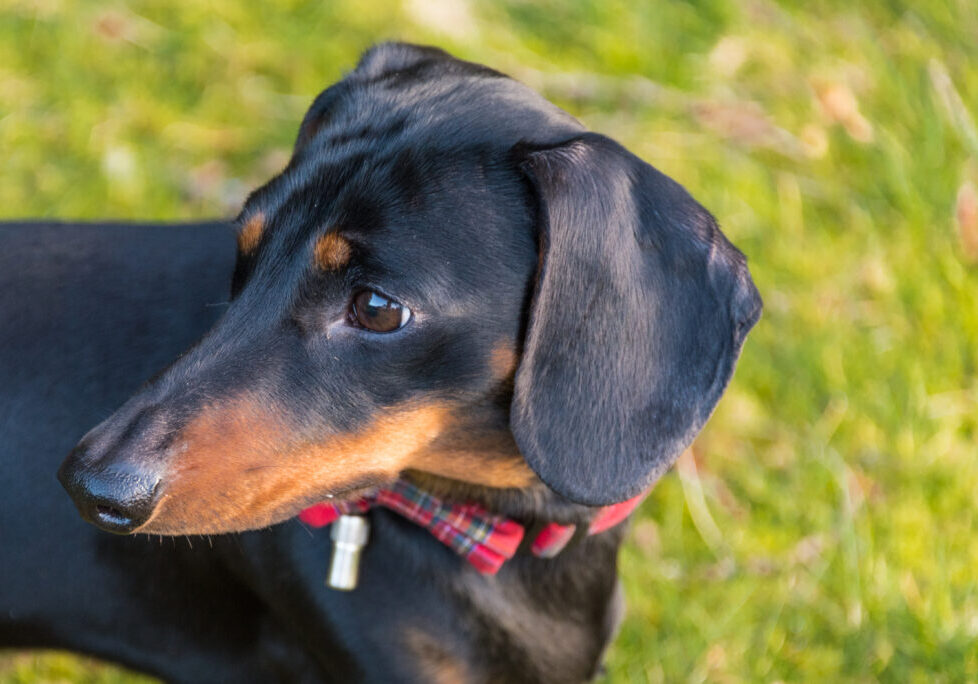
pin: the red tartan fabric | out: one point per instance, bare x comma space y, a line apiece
554, 536
483, 539
552, 540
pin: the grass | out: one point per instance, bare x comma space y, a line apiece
824, 526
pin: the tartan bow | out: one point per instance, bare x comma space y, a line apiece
484, 540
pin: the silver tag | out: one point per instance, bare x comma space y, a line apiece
349, 534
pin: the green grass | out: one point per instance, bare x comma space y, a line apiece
824, 527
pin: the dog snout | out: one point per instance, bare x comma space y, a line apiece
114, 473
118, 498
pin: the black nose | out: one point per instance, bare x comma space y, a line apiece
117, 498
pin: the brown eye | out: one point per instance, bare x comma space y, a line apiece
374, 311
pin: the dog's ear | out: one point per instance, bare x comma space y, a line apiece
317, 116
378, 61
638, 315
385, 58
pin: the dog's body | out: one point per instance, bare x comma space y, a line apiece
451, 282
101, 307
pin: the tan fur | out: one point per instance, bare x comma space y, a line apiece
477, 455
250, 234
434, 661
332, 252
237, 467
503, 360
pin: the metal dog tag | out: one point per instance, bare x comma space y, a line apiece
349, 534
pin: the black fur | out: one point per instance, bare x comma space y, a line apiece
502, 224
640, 311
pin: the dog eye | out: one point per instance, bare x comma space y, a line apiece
374, 311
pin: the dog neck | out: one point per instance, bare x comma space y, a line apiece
527, 505
476, 460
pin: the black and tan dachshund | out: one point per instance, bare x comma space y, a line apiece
451, 285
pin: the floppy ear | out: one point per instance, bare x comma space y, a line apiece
381, 59
639, 312
317, 116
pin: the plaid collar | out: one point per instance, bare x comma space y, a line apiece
485, 540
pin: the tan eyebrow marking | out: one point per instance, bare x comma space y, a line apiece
332, 252
503, 360
250, 233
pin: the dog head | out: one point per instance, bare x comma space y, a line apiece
450, 276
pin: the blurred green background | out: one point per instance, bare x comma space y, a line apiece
823, 527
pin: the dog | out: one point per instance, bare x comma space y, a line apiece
454, 302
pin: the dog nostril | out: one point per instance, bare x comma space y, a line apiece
111, 514
119, 512
118, 498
